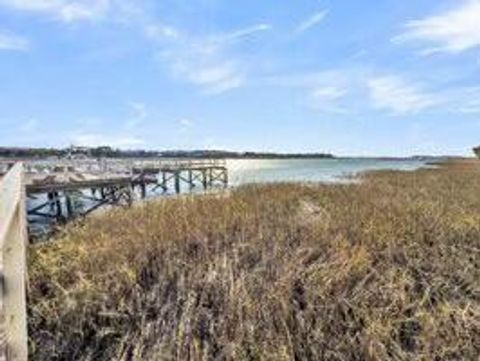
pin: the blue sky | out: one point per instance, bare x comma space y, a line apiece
377, 77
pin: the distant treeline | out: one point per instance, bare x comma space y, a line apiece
29, 152
108, 152
98, 152
236, 155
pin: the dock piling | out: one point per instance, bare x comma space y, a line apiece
204, 179
69, 206
177, 182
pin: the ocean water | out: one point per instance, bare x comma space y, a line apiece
242, 171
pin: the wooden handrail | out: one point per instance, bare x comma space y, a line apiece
118, 165
13, 241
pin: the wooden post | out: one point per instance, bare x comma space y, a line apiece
143, 189
190, 178
204, 178
210, 175
58, 206
69, 206
51, 198
164, 181
13, 241
225, 177
177, 182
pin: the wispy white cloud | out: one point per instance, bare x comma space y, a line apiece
343, 77
72, 10
160, 31
9, 41
454, 31
213, 78
398, 96
327, 99
351, 90
67, 11
185, 122
337, 90
311, 21
329, 93
208, 62
242, 33
185, 125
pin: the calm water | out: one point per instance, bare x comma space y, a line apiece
309, 170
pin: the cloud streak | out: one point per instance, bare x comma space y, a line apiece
214, 78
310, 22
70, 11
243, 33
454, 31
208, 62
394, 94
328, 99
10, 41
363, 90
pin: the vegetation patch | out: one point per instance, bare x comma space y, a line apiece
384, 269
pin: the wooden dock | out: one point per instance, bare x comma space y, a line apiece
55, 188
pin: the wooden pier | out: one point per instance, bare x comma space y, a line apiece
55, 188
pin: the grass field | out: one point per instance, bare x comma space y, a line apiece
387, 269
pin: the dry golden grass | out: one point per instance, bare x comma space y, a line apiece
388, 269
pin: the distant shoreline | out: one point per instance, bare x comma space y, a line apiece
14, 153
108, 152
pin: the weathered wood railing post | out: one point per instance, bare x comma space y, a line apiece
13, 242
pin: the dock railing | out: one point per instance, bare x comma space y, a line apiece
117, 165
13, 242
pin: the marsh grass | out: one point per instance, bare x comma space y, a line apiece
387, 269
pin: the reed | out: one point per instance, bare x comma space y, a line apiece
386, 269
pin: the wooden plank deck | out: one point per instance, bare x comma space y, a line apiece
49, 176
34, 187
